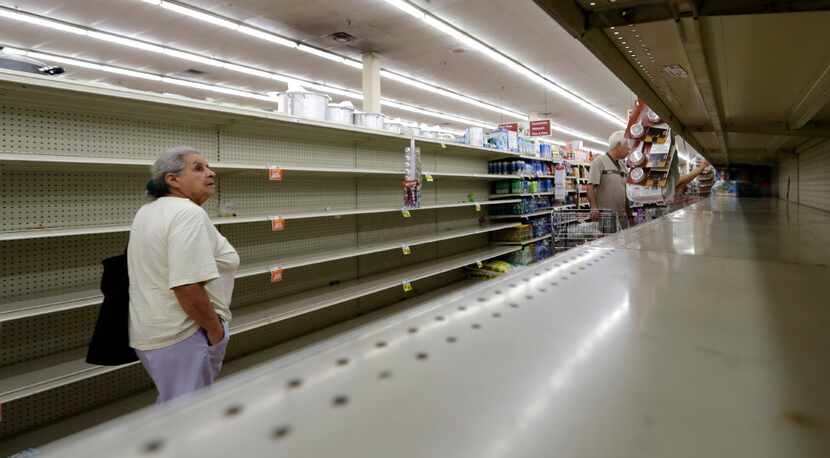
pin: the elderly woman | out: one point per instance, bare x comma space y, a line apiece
181, 277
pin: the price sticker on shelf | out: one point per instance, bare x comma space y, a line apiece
275, 173
428, 177
406, 250
479, 264
277, 223
405, 213
276, 274
407, 286
478, 207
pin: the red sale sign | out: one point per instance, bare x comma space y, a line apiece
540, 128
514, 126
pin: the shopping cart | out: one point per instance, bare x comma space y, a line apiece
573, 227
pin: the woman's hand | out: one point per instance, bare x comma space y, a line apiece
216, 335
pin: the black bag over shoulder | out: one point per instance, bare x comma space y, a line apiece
110, 343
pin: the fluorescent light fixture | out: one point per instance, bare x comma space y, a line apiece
15, 51
125, 41
43, 22
449, 29
577, 134
267, 36
452, 95
407, 8
196, 14
321, 53
437, 114
353, 63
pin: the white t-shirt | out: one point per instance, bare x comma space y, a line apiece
174, 243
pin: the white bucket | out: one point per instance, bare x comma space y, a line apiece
369, 120
474, 136
304, 104
340, 114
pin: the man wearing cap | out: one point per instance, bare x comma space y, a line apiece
606, 181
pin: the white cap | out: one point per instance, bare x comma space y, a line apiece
616, 138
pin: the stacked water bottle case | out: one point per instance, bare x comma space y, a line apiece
527, 167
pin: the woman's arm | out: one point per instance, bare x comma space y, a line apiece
686, 179
195, 302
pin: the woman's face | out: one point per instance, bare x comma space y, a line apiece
196, 180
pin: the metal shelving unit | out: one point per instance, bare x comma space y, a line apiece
49, 372
74, 160
90, 295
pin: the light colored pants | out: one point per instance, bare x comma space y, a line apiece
185, 366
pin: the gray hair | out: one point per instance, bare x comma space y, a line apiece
615, 139
169, 162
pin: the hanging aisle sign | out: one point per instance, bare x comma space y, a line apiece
513, 126
540, 128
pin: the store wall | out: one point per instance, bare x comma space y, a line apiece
787, 179
808, 175
814, 177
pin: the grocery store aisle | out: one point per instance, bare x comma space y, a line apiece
703, 333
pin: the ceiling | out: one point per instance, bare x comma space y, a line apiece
403, 43
757, 82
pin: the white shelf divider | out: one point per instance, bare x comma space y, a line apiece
89, 230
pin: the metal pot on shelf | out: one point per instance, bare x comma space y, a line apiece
340, 113
369, 120
304, 104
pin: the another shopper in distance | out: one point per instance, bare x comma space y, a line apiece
181, 277
606, 181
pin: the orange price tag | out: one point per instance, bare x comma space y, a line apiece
276, 274
277, 223
407, 286
275, 173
